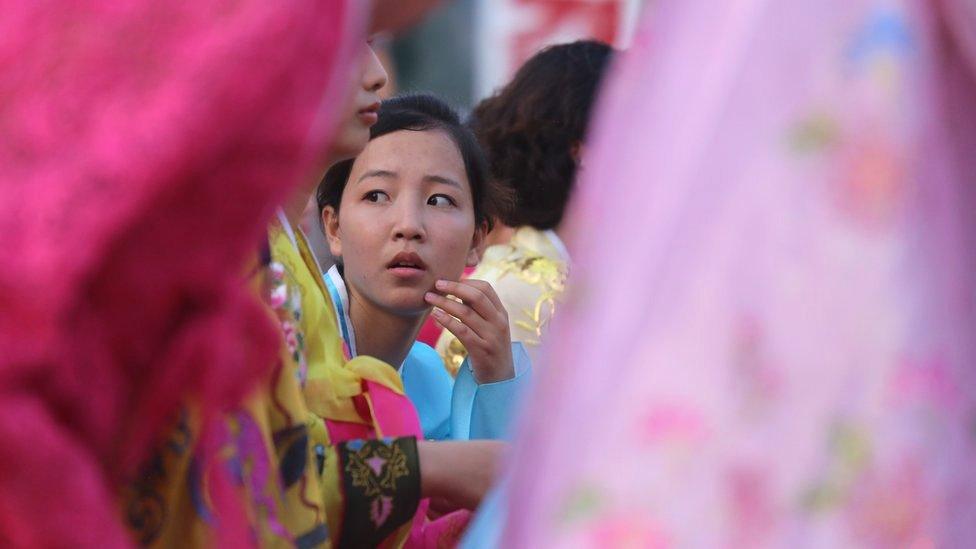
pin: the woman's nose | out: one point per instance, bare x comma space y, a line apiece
374, 75
409, 225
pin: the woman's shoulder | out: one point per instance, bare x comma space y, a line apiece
430, 387
423, 357
423, 365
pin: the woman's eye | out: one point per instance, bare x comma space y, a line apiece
376, 196
440, 200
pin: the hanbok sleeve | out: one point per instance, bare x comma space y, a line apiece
372, 487
485, 410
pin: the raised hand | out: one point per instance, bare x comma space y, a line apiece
480, 323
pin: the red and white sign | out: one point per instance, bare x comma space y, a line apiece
511, 31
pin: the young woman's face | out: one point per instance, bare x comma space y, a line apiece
406, 220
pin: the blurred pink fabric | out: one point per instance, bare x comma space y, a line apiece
772, 304
144, 147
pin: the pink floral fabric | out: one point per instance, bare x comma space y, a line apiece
144, 147
773, 309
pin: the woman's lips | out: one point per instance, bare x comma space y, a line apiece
368, 118
369, 115
407, 266
407, 273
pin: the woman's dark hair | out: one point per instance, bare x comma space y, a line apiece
531, 128
423, 112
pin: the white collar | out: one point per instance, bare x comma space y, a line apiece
283, 219
340, 303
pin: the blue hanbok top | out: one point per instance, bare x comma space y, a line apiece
449, 408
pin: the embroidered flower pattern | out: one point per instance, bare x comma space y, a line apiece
550, 277
375, 469
381, 486
286, 302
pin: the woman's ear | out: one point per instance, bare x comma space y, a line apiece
330, 222
578, 151
478, 244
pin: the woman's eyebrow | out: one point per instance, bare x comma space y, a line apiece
442, 179
377, 173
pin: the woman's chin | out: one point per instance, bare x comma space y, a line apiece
410, 306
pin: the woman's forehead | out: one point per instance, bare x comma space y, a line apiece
412, 155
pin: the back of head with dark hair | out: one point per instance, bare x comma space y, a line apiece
531, 129
424, 112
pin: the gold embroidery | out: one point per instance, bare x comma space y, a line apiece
550, 277
526, 259
376, 468
454, 356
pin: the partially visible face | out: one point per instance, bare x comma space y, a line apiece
406, 220
361, 108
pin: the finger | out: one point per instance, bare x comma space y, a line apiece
465, 335
463, 312
487, 289
472, 297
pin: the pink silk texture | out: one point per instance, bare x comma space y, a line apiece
144, 147
772, 303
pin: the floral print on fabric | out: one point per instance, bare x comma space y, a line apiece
261, 451
768, 339
284, 298
550, 277
147, 509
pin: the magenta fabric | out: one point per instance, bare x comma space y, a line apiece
769, 336
444, 531
145, 145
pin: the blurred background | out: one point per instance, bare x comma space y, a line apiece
468, 48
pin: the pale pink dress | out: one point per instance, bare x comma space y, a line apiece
769, 340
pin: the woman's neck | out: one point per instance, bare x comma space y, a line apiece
381, 334
500, 234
